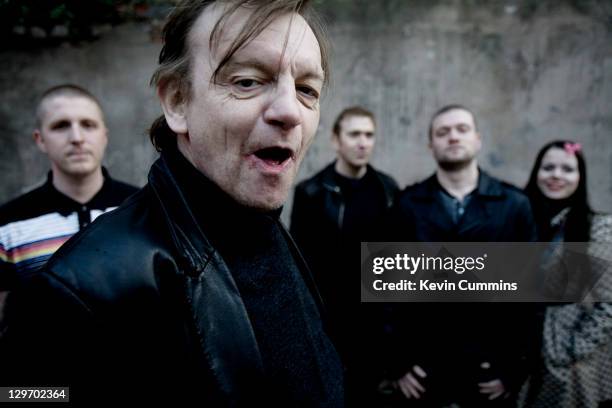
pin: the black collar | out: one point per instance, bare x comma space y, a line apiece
66, 205
487, 187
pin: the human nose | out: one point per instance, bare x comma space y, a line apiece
76, 134
283, 110
557, 173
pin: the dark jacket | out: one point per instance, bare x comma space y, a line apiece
329, 237
451, 340
318, 227
319, 205
498, 212
145, 289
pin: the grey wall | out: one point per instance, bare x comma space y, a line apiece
116, 69
532, 71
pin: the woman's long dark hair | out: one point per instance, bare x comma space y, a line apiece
578, 222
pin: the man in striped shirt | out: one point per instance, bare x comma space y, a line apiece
71, 132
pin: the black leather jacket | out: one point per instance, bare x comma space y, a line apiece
323, 191
145, 289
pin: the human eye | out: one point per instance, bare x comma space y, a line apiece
568, 169
89, 124
441, 132
463, 128
308, 94
308, 91
548, 167
246, 84
244, 87
60, 125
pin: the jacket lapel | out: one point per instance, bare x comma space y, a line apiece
480, 209
219, 317
432, 210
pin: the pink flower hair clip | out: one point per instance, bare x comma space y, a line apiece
572, 148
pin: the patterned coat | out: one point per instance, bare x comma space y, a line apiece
577, 341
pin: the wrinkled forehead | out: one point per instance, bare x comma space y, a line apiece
453, 117
290, 29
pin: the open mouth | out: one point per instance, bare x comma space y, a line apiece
274, 155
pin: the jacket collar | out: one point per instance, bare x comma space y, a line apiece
65, 205
219, 315
328, 178
479, 211
194, 249
487, 187
330, 181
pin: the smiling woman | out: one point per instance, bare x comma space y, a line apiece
559, 181
575, 367
558, 175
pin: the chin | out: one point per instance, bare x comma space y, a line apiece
265, 205
263, 202
82, 171
453, 165
556, 195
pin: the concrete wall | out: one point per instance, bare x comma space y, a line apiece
115, 68
532, 72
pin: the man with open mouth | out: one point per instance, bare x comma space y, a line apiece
193, 290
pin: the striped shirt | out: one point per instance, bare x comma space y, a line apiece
34, 225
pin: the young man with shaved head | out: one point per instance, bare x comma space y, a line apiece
193, 290
71, 132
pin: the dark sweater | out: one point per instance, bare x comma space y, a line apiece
365, 203
301, 365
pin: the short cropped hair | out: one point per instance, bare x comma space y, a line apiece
351, 111
175, 59
70, 90
449, 108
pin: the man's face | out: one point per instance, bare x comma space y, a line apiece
73, 135
249, 131
355, 142
454, 140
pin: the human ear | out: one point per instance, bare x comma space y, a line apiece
38, 138
174, 105
335, 139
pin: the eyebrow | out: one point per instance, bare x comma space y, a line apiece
454, 125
